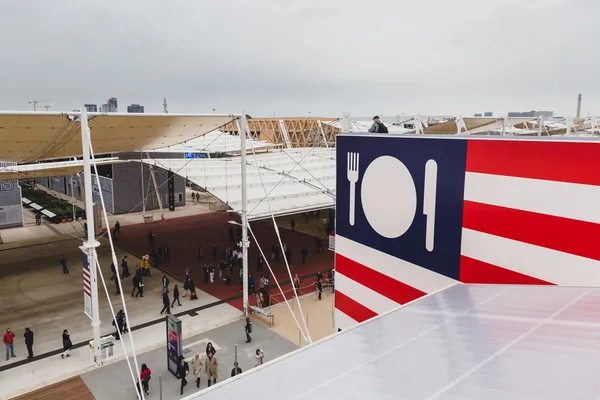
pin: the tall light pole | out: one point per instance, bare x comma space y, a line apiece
245, 243
89, 246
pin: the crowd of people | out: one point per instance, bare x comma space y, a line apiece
226, 262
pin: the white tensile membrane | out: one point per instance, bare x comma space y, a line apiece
307, 334
140, 393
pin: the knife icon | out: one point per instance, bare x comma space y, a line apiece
429, 199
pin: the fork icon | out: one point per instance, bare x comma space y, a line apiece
352, 178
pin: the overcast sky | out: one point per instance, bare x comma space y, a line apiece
290, 57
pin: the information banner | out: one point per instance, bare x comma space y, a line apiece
174, 345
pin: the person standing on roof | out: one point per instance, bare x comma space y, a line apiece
378, 126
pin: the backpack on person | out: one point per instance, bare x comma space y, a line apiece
381, 128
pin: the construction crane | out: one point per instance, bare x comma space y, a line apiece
165, 106
36, 102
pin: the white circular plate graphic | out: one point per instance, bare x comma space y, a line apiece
389, 197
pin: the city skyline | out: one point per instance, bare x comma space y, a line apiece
308, 58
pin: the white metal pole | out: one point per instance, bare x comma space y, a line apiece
540, 126
245, 243
90, 245
73, 197
142, 178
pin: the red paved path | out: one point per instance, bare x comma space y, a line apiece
184, 236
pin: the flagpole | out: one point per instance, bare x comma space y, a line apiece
89, 246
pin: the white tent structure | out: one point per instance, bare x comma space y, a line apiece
283, 182
468, 342
37, 136
215, 142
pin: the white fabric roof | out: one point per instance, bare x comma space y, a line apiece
49, 169
214, 142
295, 180
35, 136
468, 342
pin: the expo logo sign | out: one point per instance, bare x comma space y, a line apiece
7, 186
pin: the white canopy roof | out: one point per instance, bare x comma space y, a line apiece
295, 180
49, 169
214, 142
468, 342
35, 136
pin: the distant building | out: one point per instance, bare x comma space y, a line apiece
135, 108
110, 106
531, 114
91, 107
488, 114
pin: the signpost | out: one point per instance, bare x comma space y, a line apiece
174, 344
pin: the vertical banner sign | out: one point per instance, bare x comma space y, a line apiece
174, 345
171, 190
87, 287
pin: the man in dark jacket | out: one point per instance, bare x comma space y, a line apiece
175, 296
236, 369
166, 303
378, 126
182, 370
28, 335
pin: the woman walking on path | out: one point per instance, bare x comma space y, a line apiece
145, 376
248, 329
197, 368
67, 344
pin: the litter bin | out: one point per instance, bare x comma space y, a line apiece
107, 344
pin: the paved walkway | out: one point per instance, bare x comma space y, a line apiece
318, 315
37, 295
114, 382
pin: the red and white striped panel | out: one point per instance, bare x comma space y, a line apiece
369, 282
531, 214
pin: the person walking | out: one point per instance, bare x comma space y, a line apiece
296, 283
212, 369
182, 370
63, 262
140, 288
135, 280
197, 368
319, 288
145, 375
9, 342
166, 304
28, 335
210, 349
124, 268
260, 355
113, 271
165, 283
248, 329
118, 324
304, 253
175, 296
118, 286
67, 344
259, 263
